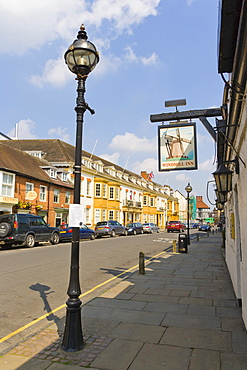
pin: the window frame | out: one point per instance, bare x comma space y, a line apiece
88, 187
7, 185
44, 193
97, 190
110, 215
111, 192
56, 196
31, 188
67, 197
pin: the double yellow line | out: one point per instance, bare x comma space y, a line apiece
64, 305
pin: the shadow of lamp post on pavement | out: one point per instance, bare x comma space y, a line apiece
44, 291
81, 58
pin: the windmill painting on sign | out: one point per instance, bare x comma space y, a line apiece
177, 147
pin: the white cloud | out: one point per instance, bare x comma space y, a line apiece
55, 73
208, 165
123, 13
131, 143
60, 133
148, 165
107, 63
131, 57
34, 23
111, 157
152, 60
204, 139
24, 128
29, 24
189, 2
181, 177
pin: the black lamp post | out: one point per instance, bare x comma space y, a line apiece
188, 189
81, 58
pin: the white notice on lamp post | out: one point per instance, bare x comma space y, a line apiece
76, 212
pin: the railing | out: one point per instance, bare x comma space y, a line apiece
132, 203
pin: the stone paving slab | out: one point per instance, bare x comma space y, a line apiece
196, 301
138, 332
191, 321
166, 307
181, 286
155, 298
149, 318
205, 360
198, 338
233, 361
193, 309
232, 324
117, 303
118, 355
182, 314
230, 312
160, 357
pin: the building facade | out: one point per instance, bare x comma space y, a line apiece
108, 191
232, 140
31, 185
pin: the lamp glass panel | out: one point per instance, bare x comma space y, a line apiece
219, 206
223, 179
221, 197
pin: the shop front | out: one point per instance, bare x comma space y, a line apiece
6, 204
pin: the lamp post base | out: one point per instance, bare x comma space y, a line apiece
73, 337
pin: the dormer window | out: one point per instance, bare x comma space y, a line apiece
52, 173
64, 176
34, 153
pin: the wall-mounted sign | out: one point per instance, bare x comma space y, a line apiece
232, 225
177, 147
31, 195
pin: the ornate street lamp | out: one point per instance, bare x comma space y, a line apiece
220, 197
223, 179
188, 189
81, 58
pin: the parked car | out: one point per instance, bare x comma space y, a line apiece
111, 228
193, 225
204, 227
150, 228
175, 226
65, 232
25, 229
135, 228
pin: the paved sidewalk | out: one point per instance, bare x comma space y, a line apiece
181, 315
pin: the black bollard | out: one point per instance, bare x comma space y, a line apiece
141, 263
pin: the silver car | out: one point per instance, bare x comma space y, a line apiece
111, 228
150, 228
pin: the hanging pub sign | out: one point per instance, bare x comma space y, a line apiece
177, 147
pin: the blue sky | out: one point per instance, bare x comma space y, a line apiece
150, 51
